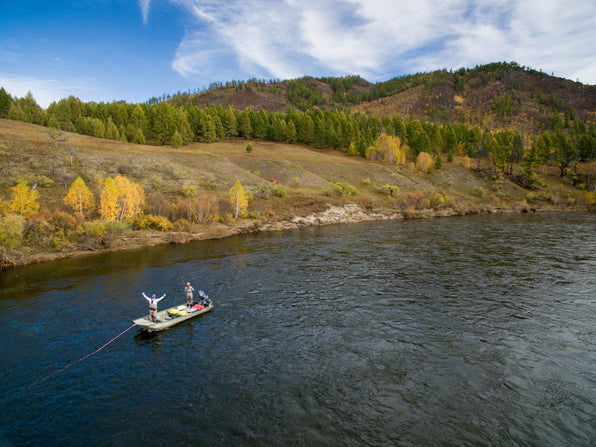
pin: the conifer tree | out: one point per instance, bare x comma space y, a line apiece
229, 123
163, 123
307, 132
291, 132
5, 102
244, 125
139, 138
176, 139
210, 134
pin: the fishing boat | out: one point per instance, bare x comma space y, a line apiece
171, 317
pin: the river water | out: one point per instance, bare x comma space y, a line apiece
462, 331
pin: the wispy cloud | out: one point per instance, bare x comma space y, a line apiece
45, 91
383, 38
145, 9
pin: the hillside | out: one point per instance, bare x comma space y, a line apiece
289, 186
494, 96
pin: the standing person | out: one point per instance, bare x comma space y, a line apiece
189, 290
153, 305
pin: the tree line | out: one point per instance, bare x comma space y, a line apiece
161, 123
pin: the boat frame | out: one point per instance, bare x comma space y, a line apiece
165, 320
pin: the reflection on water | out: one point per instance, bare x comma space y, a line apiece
461, 331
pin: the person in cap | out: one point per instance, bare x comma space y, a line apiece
153, 305
188, 289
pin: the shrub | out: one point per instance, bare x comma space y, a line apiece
344, 189
248, 148
479, 191
182, 225
189, 191
280, 191
424, 162
390, 190
415, 200
201, 209
153, 222
100, 232
437, 200
11, 232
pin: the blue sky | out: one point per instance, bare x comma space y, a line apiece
105, 50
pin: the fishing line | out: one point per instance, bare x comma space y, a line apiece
81, 359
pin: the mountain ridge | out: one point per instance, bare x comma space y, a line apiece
495, 96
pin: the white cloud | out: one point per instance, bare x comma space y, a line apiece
379, 39
145, 9
45, 91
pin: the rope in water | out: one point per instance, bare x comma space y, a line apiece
82, 358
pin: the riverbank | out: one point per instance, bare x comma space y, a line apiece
288, 186
334, 215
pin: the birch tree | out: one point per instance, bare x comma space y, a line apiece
238, 199
24, 198
79, 198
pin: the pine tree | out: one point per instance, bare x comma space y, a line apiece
139, 138
111, 130
163, 123
5, 102
291, 132
229, 123
439, 161
244, 126
176, 140
307, 132
210, 134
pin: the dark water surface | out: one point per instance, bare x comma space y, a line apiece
462, 331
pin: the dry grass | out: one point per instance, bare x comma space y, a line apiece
27, 151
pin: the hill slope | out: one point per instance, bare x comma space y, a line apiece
285, 182
495, 96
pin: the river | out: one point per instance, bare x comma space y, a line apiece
475, 330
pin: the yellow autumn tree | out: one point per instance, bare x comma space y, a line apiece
24, 198
388, 149
424, 161
466, 161
79, 198
130, 198
238, 199
109, 200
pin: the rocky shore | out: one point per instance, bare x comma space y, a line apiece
333, 215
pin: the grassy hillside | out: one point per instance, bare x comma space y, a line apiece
284, 181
